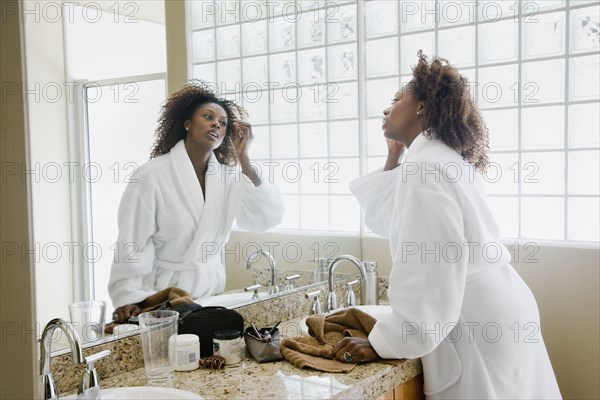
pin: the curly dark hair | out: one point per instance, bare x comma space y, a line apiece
449, 112
181, 105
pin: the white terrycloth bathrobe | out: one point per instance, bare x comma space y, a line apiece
170, 236
457, 303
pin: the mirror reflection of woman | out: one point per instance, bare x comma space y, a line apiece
175, 218
457, 303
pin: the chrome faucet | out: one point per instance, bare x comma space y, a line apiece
368, 282
273, 288
49, 388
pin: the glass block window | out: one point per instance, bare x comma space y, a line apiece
316, 75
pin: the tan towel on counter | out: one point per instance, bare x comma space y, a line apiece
169, 297
315, 351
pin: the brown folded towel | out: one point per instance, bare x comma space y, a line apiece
172, 297
315, 351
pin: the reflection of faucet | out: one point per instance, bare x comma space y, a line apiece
47, 380
368, 282
273, 288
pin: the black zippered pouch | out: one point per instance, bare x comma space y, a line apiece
205, 321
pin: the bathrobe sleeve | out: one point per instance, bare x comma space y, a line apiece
134, 257
375, 193
427, 281
260, 208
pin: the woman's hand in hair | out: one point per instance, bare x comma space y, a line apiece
242, 138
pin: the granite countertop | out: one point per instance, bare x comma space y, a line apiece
282, 380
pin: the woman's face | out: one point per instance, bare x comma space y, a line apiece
400, 120
208, 126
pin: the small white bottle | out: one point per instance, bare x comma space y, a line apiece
187, 352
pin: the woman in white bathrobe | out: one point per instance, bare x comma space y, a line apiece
175, 218
457, 303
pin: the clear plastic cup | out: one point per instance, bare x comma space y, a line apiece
156, 329
88, 319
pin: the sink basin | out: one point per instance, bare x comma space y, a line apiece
144, 392
228, 299
376, 312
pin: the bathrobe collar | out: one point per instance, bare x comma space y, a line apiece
417, 145
190, 188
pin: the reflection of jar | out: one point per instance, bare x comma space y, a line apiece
228, 344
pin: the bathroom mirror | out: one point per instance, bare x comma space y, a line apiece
109, 64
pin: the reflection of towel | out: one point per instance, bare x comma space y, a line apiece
325, 332
166, 298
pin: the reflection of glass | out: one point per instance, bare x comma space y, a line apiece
584, 125
546, 37
313, 102
498, 42
342, 26
313, 139
282, 68
282, 35
382, 57
228, 75
88, 318
311, 29
314, 212
341, 60
255, 73
381, 18
503, 126
542, 218
283, 105
543, 173
498, 86
543, 82
543, 127
344, 100
584, 77
228, 41
410, 45
457, 45
345, 214
379, 95
203, 45
205, 72
507, 219
284, 141
584, 176
201, 18
501, 176
343, 138
585, 29
417, 15
254, 37
311, 65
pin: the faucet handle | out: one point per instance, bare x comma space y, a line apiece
289, 282
350, 296
89, 387
316, 305
254, 288
331, 301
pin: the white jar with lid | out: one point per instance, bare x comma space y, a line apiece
228, 343
187, 351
